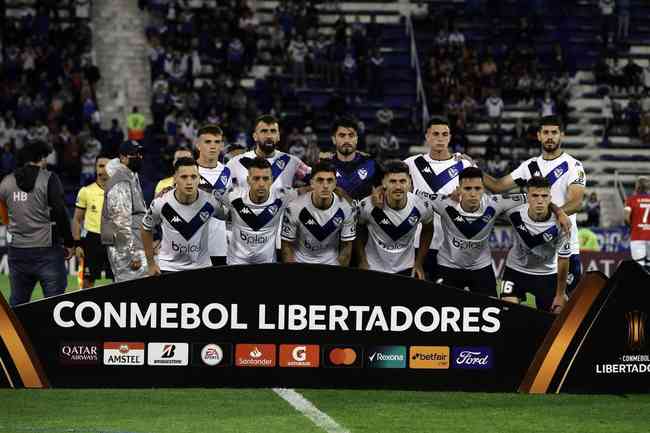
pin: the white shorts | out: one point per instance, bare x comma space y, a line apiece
640, 250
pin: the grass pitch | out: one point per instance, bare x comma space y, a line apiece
247, 410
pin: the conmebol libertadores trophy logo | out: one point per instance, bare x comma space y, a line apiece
636, 325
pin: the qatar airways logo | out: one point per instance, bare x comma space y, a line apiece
473, 358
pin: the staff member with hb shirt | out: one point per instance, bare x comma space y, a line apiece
122, 214
38, 236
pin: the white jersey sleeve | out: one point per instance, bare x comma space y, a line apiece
152, 217
349, 230
289, 223
577, 174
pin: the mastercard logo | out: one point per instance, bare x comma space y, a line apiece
346, 356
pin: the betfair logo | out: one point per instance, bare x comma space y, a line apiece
429, 357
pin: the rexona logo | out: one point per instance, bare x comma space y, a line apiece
386, 357
79, 353
429, 357
168, 354
255, 355
123, 353
299, 355
472, 358
343, 356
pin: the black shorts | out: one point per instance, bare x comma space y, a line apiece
480, 281
517, 284
95, 258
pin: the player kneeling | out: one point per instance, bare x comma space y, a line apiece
319, 227
538, 262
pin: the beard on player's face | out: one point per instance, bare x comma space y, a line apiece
346, 148
267, 145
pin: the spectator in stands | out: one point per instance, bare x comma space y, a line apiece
375, 77
92, 149
497, 166
39, 234
297, 52
494, 110
592, 208
115, 136
388, 146
607, 13
633, 116
547, 106
633, 75
385, 117
7, 159
135, 124
349, 68
608, 114
623, 12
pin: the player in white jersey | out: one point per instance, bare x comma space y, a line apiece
464, 257
386, 238
435, 172
566, 176
285, 168
183, 214
319, 227
255, 213
538, 261
214, 178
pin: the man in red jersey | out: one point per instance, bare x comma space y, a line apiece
637, 215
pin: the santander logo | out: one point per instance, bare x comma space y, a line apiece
255, 353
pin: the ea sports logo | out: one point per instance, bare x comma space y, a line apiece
211, 355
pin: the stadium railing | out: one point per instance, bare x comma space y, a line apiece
421, 97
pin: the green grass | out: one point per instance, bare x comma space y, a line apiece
246, 410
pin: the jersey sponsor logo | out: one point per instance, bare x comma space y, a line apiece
363, 173
321, 232
187, 229
185, 249
436, 182
473, 228
256, 222
529, 239
396, 232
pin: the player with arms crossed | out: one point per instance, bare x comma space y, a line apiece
386, 236
319, 227
637, 215
464, 258
565, 175
538, 261
436, 172
183, 214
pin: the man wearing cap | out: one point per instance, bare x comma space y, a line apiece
122, 214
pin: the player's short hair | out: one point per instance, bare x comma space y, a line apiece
184, 162
102, 156
33, 151
437, 120
184, 149
210, 128
269, 119
643, 185
323, 166
538, 182
344, 122
395, 167
470, 173
259, 163
550, 121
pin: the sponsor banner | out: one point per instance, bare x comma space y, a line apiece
255, 355
299, 355
123, 353
386, 357
343, 356
168, 354
429, 357
472, 358
212, 354
79, 353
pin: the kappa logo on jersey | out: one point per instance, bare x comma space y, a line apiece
321, 232
467, 228
436, 182
256, 222
363, 173
338, 174
168, 354
187, 229
396, 232
529, 239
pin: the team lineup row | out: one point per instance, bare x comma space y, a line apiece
408, 212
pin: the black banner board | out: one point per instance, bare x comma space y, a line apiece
282, 325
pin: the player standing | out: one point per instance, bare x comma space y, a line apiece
183, 214
386, 235
565, 175
538, 261
637, 215
319, 227
88, 214
436, 172
168, 182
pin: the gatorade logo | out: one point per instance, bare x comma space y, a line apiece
299, 355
